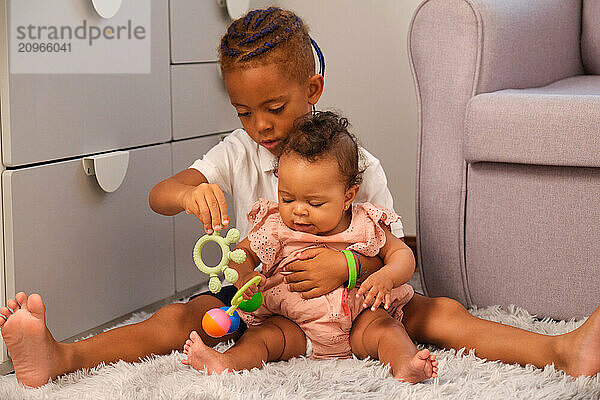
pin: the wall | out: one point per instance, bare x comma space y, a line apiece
368, 79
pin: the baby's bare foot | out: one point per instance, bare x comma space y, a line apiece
34, 352
578, 352
202, 357
417, 368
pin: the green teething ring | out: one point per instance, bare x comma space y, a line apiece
238, 256
249, 305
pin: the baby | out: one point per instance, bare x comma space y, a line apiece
319, 176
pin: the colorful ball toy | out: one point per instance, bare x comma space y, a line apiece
216, 322
222, 321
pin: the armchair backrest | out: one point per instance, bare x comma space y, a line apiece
590, 36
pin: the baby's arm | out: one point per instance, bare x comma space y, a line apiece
307, 277
399, 266
189, 190
246, 270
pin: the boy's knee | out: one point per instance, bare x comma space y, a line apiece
172, 313
447, 306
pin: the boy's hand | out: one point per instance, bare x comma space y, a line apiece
253, 289
377, 288
207, 202
318, 271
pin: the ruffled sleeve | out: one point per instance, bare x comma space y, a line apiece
372, 218
264, 241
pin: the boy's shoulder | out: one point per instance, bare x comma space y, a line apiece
368, 159
237, 144
239, 136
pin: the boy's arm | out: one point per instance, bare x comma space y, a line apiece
321, 270
189, 190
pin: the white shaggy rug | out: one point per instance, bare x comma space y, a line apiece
461, 376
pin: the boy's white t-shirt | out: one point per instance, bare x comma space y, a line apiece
244, 170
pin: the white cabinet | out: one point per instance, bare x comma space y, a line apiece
200, 102
92, 255
196, 30
55, 116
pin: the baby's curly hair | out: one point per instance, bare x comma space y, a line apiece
268, 36
325, 134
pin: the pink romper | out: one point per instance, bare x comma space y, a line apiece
326, 320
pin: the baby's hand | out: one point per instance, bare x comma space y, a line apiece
377, 288
207, 202
253, 289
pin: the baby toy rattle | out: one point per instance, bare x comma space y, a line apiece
218, 322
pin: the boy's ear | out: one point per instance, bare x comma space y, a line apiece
350, 195
316, 83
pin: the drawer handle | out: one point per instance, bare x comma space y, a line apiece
235, 8
110, 169
107, 8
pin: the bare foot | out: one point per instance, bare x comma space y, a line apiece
417, 368
202, 357
578, 352
34, 352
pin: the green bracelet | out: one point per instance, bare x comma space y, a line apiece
351, 269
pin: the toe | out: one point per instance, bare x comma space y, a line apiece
7, 312
13, 305
423, 354
35, 305
185, 361
21, 297
3, 319
194, 337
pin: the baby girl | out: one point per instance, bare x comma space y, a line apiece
319, 177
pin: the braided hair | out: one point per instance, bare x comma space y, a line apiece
268, 36
325, 134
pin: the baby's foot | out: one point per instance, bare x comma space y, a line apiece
34, 352
202, 357
417, 368
578, 352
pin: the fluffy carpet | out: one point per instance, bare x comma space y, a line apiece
462, 376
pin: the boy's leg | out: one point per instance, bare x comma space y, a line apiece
376, 334
37, 356
276, 339
446, 323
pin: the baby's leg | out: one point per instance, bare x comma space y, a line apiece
276, 339
378, 335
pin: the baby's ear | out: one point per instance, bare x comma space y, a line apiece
350, 195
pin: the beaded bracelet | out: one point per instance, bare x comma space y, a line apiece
351, 269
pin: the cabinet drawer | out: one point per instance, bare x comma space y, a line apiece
200, 102
188, 228
92, 255
196, 30
55, 116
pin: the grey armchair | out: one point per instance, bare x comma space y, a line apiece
508, 182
